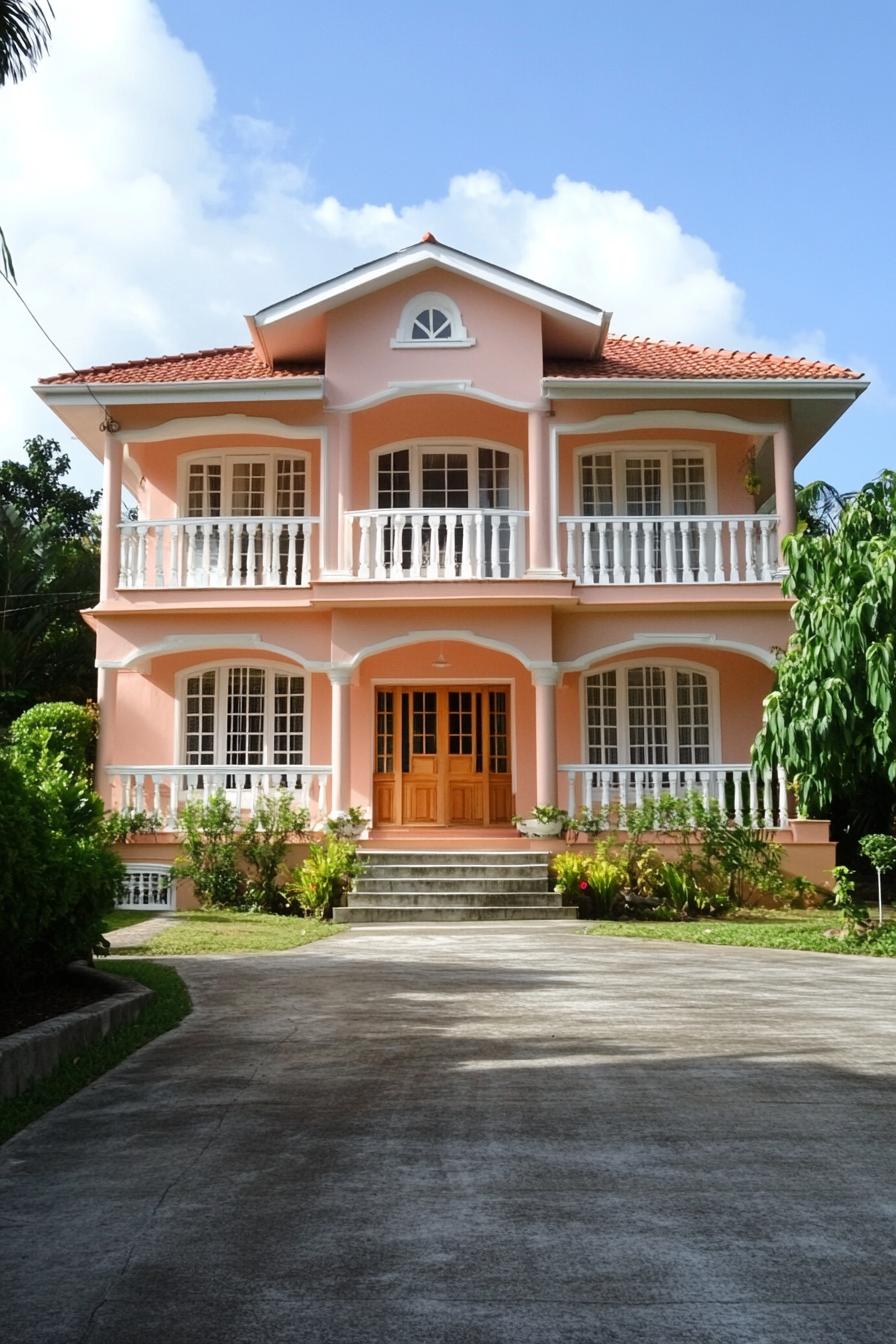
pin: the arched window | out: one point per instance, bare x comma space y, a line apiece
239, 715
654, 714
430, 319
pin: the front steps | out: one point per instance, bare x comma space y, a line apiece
400, 887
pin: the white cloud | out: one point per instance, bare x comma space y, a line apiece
134, 233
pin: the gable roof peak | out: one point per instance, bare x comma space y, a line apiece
429, 237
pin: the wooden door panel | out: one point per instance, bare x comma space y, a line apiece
420, 801
384, 802
465, 802
500, 800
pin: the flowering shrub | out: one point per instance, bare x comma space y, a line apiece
326, 875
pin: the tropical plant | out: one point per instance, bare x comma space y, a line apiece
346, 824
211, 850
852, 911
831, 718
263, 844
120, 827
24, 39
60, 729
329, 869
49, 570
880, 851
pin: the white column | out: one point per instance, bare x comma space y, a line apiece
543, 560
110, 551
335, 492
341, 737
545, 681
785, 500
106, 696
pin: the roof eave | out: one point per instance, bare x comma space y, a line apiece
304, 388
559, 389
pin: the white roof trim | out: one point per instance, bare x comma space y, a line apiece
309, 388
571, 388
376, 274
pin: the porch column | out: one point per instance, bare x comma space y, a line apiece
341, 737
545, 681
785, 499
106, 695
542, 499
335, 494
111, 515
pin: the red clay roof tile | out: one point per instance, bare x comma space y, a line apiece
631, 357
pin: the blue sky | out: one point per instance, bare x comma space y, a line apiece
755, 145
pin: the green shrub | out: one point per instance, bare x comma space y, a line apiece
59, 877
263, 843
59, 729
211, 850
120, 827
323, 879
855, 916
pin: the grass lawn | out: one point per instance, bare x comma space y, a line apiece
796, 930
120, 919
164, 1011
200, 931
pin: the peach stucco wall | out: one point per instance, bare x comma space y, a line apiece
506, 359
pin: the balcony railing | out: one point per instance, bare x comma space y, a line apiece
744, 795
437, 544
216, 553
164, 789
706, 549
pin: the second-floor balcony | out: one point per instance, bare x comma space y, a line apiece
674, 549
250, 552
436, 543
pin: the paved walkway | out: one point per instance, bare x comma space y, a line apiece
132, 935
476, 1135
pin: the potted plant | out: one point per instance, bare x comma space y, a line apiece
542, 821
347, 825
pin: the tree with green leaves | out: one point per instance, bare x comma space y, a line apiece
831, 718
24, 39
49, 570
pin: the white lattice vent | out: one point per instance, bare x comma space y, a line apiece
147, 886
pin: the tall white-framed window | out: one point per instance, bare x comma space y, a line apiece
442, 481
652, 714
430, 319
243, 484
242, 714
646, 480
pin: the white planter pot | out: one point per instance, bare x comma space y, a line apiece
539, 830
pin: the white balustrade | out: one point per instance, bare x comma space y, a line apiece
437, 544
681, 549
164, 789
216, 553
743, 794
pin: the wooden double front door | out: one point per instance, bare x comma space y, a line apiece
442, 756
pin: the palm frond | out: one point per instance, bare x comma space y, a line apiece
24, 37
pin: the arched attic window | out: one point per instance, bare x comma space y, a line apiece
430, 319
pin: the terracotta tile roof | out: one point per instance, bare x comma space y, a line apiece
624, 357
640, 357
234, 361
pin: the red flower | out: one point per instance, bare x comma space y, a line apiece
583, 885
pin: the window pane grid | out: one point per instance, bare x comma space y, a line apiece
460, 723
597, 485
692, 704
245, 716
204, 490
385, 732
289, 718
497, 732
603, 732
643, 487
648, 733
199, 735
688, 485
290, 500
423, 723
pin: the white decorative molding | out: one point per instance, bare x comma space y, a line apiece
202, 426
429, 387
140, 659
440, 636
640, 642
421, 303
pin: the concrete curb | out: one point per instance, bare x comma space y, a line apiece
33, 1054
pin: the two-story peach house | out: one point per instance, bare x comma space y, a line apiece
439, 545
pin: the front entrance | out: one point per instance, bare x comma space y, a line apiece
442, 756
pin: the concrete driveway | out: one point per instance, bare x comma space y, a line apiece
475, 1135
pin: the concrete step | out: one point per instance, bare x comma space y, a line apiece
456, 872
446, 882
459, 899
453, 858
444, 914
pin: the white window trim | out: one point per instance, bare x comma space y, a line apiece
403, 339
227, 458
418, 447
669, 666
271, 670
665, 451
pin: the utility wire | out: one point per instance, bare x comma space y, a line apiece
61, 353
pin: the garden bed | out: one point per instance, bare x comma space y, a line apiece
790, 930
25, 1004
